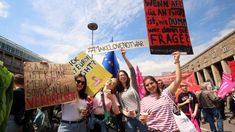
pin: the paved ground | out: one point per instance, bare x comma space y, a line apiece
228, 127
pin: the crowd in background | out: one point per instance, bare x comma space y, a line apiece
117, 107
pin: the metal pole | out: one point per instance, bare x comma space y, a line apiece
92, 27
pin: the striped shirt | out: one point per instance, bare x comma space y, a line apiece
160, 111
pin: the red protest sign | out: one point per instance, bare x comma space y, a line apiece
167, 27
48, 84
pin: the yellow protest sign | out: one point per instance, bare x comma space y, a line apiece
96, 75
48, 84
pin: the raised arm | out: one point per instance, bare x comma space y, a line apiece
132, 70
175, 84
123, 51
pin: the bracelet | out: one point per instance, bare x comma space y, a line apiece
177, 61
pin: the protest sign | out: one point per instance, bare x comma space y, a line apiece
95, 74
48, 84
167, 27
112, 46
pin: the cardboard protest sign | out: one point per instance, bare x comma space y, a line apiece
48, 84
167, 27
112, 46
95, 74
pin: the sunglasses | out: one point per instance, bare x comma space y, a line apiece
79, 81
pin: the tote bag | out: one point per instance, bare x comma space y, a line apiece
182, 121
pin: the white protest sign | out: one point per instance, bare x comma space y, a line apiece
117, 46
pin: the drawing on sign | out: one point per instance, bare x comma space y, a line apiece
96, 75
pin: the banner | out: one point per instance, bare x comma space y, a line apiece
167, 27
187, 77
48, 84
226, 86
232, 68
95, 74
112, 46
139, 81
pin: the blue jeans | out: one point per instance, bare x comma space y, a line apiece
74, 127
12, 126
132, 124
210, 115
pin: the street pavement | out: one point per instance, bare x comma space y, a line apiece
228, 127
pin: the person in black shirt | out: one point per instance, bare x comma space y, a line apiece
187, 98
16, 119
19, 117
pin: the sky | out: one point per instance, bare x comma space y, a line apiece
57, 29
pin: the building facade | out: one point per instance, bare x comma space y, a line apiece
210, 64
13, 55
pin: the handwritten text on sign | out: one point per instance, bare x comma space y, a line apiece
95, 74
48, 84
117, 46
167, 27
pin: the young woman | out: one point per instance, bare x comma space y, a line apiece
73, 113
158, 105
107, 96
129, 98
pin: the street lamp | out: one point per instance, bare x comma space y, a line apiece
92, 26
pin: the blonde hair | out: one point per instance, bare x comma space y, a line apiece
203, 86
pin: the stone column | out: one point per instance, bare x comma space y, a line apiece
206, 74
225, 67
199, 77
216, 75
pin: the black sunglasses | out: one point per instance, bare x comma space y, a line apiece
79, 81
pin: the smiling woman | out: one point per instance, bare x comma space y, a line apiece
157, 103
74, 113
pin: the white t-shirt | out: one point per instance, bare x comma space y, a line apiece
71, 111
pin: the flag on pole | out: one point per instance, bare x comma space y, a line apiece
6, 95
226, 86
110, 63
232, 68
139, 80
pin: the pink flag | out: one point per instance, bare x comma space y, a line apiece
232, 68
139, 80
226, 86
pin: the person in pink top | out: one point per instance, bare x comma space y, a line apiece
159, 105
111, 104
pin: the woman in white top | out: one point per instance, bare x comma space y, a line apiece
73, 113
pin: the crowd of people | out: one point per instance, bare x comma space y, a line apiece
117, 107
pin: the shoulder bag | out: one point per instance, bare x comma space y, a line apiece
181, 119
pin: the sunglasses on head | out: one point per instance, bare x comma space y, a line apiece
79, 81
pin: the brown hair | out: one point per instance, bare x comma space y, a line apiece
82, 93
120, 87
19, 79
203, 86
155, 81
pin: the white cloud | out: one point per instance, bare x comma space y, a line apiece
65, 24
3, 9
